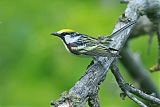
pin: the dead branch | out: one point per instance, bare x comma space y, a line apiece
129, 89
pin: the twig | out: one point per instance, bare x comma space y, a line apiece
137, 71
128, 89
143, 95
122, 84
135, 99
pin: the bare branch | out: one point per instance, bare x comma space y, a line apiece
137, 71
122, 84
135, 99
128, 89
143, 95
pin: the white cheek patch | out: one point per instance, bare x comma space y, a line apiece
70, 39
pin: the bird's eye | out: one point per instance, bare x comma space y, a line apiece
66, 33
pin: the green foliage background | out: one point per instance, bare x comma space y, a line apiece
35, 67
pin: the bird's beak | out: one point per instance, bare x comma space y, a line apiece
55, 34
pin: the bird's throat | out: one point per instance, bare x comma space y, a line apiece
69, 47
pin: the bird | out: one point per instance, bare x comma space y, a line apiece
85, 45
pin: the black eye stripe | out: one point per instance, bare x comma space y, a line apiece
68, 33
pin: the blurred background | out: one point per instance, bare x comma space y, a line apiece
35, 66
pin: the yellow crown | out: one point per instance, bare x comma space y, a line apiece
65, 30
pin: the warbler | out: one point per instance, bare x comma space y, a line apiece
81, 44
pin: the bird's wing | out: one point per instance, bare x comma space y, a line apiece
99, 50
91, 47
83, 42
